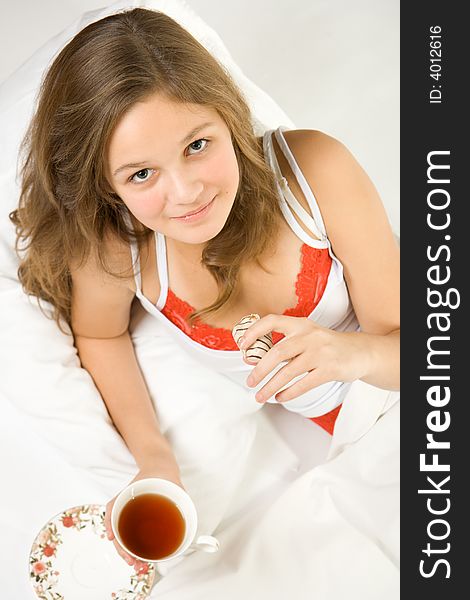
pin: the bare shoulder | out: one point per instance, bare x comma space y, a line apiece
323, 159
304, 142
346, 196
101, 301
117, 258
356, 223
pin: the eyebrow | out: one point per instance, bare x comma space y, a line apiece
185, 140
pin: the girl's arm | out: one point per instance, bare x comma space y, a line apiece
362, 239
113, 366
100, 319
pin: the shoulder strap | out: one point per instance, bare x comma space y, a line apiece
300, 211
162, 266
160, 250
289, 203
320, 229
135, 257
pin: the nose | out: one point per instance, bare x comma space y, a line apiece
182, 188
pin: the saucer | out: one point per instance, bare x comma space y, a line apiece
72, 559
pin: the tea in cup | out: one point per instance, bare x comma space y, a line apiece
155, 520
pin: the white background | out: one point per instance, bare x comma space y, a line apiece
331, 65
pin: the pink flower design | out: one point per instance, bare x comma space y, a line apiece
143, 570
67, 521
49, 550
39, 568
44, 537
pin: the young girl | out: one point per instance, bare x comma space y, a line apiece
143, 179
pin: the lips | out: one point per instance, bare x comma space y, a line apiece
194, 212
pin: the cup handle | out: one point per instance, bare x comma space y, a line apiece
207, 543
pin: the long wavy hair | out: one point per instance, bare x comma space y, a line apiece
67, 205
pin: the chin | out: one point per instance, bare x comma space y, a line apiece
200, 234
200, 237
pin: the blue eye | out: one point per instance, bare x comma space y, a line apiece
141, 176
198, 145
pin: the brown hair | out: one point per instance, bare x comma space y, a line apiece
67, 206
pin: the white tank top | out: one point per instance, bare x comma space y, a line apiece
334, 309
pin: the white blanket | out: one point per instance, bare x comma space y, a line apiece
287, 528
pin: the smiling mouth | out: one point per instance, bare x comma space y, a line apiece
194, 212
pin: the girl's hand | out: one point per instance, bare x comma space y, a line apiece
325, 355
172, 474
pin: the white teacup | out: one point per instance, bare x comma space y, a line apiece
185, 505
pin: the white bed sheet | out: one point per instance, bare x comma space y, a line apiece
288, 521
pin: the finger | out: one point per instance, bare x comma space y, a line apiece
130, 560
285, 375
282, 351
262, 327
138, 565
258, 350
312, 380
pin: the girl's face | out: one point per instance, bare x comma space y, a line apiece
175, 168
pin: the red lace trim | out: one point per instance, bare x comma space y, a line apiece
327, 422
309, 287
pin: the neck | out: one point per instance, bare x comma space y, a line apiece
190, 253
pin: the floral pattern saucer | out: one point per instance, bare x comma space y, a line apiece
72, 559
